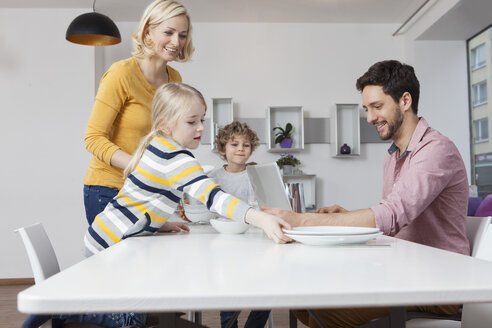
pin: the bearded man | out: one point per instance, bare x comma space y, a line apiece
425, 186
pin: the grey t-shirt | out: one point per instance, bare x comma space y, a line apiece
236, 184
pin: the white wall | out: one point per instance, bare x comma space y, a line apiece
47, 87
313, 65
441, 67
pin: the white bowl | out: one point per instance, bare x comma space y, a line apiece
224, 225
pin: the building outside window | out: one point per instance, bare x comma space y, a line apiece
479, 93
480, 89
478, 57
481, 130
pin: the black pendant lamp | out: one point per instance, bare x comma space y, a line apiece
93, 29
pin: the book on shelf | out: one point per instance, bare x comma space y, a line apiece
295, 191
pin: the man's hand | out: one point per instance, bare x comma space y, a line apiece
331, 209
174, 227
292, 218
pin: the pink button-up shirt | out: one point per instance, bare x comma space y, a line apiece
425, 192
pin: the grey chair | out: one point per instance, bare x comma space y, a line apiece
41, 254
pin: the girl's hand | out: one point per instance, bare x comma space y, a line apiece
173, 227
272, 225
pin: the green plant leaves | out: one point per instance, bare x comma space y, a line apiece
282, 133
279, 138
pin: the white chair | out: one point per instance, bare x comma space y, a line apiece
41, 254
43, 259
473, 315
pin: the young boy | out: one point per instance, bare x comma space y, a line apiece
235, 143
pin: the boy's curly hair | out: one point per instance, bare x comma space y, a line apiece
235, 129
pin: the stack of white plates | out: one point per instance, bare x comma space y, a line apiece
332, 235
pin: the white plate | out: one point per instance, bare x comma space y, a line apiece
331, 231
333, 240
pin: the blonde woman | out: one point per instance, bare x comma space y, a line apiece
122, 108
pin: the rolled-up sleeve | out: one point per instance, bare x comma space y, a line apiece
420, 176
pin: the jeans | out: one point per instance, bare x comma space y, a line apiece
110, 320
95, 200
256, 319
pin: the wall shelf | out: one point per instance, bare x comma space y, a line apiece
222, 114
317, 130
345, 129
309, 184
280, 116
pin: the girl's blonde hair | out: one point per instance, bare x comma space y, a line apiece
171, 102
155, 13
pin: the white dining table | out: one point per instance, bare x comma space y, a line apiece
206, 270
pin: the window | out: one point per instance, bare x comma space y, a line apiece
479, 93
481, 128
479, 50
478, 57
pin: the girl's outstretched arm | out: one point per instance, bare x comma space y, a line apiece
272, 225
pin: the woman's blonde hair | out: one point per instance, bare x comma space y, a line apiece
171, 102
155, 13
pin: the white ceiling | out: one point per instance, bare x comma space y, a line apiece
463, 21
460, 23
326, 11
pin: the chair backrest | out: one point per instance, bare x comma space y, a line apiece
476, 229
478, 315
485, 207
41, 254
473, 204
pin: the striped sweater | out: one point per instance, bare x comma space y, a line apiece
152, 192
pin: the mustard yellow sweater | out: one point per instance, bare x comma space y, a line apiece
121, 116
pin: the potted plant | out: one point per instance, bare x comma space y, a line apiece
287, 162
284, 135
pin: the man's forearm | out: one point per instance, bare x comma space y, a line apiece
358, 218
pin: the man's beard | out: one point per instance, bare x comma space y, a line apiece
394, 125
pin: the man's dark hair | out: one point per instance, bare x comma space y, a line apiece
395, 78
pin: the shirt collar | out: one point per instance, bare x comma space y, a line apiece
171, 143
417, 136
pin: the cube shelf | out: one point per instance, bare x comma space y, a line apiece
345, 129
280, 116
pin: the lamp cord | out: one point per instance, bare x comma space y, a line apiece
94, 6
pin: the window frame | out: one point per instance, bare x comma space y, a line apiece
474, 64
475, 101
478, 127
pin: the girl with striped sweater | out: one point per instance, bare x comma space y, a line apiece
162, 170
